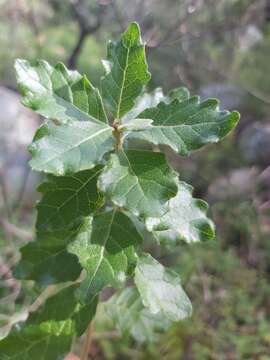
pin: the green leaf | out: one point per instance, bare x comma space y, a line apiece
136, 125
66, 200
106, 250
160, 289
152, 99
47, 261
144, 101
185, 220
140, 181
126, 71
132, 318
187, 125
57, 93
180, 93
48, 333
69, 148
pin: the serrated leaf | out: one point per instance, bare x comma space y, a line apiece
132, 318
144, 101
57, 93
136, 125
185, 220
152, 99
126, 71
48, 333
187, 125
65, 201
160, 289
106, 250
140, 181
70, 148
180, 93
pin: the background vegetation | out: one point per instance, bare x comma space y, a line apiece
215, 48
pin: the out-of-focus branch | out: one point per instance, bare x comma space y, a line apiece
81, 13
87, 342
118, 15
4, 194
15, 231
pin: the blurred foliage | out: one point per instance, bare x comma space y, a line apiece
196, 43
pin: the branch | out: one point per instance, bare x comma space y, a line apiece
5, 195
15, 231
118, 15
73, 58
87, 342
81, 14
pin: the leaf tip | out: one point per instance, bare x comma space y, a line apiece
235, 117
132, 35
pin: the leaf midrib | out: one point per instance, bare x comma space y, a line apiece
75, 193
78, 144
123, 82
103, 245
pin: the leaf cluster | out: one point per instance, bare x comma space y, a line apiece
97, 183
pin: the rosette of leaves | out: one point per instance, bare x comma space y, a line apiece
96, 185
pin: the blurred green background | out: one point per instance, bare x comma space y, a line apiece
217, 48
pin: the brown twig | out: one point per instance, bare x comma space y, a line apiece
87, 342
15, 231
5, 195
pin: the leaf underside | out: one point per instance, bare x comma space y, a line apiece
131, 318
160, 289
69, 148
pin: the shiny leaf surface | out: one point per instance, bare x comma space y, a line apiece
140, 181
188, 124
57, 93
185, 220
126, 71
106, 248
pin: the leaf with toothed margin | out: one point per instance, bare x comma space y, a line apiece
139, 181
161, 290
65, 201
105, 248
152, 99
131, 318
144, 101
76, 234
69, 148
186, 219
180, 93
48, 333
186, 125
136, 125
126, 71
58, 93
